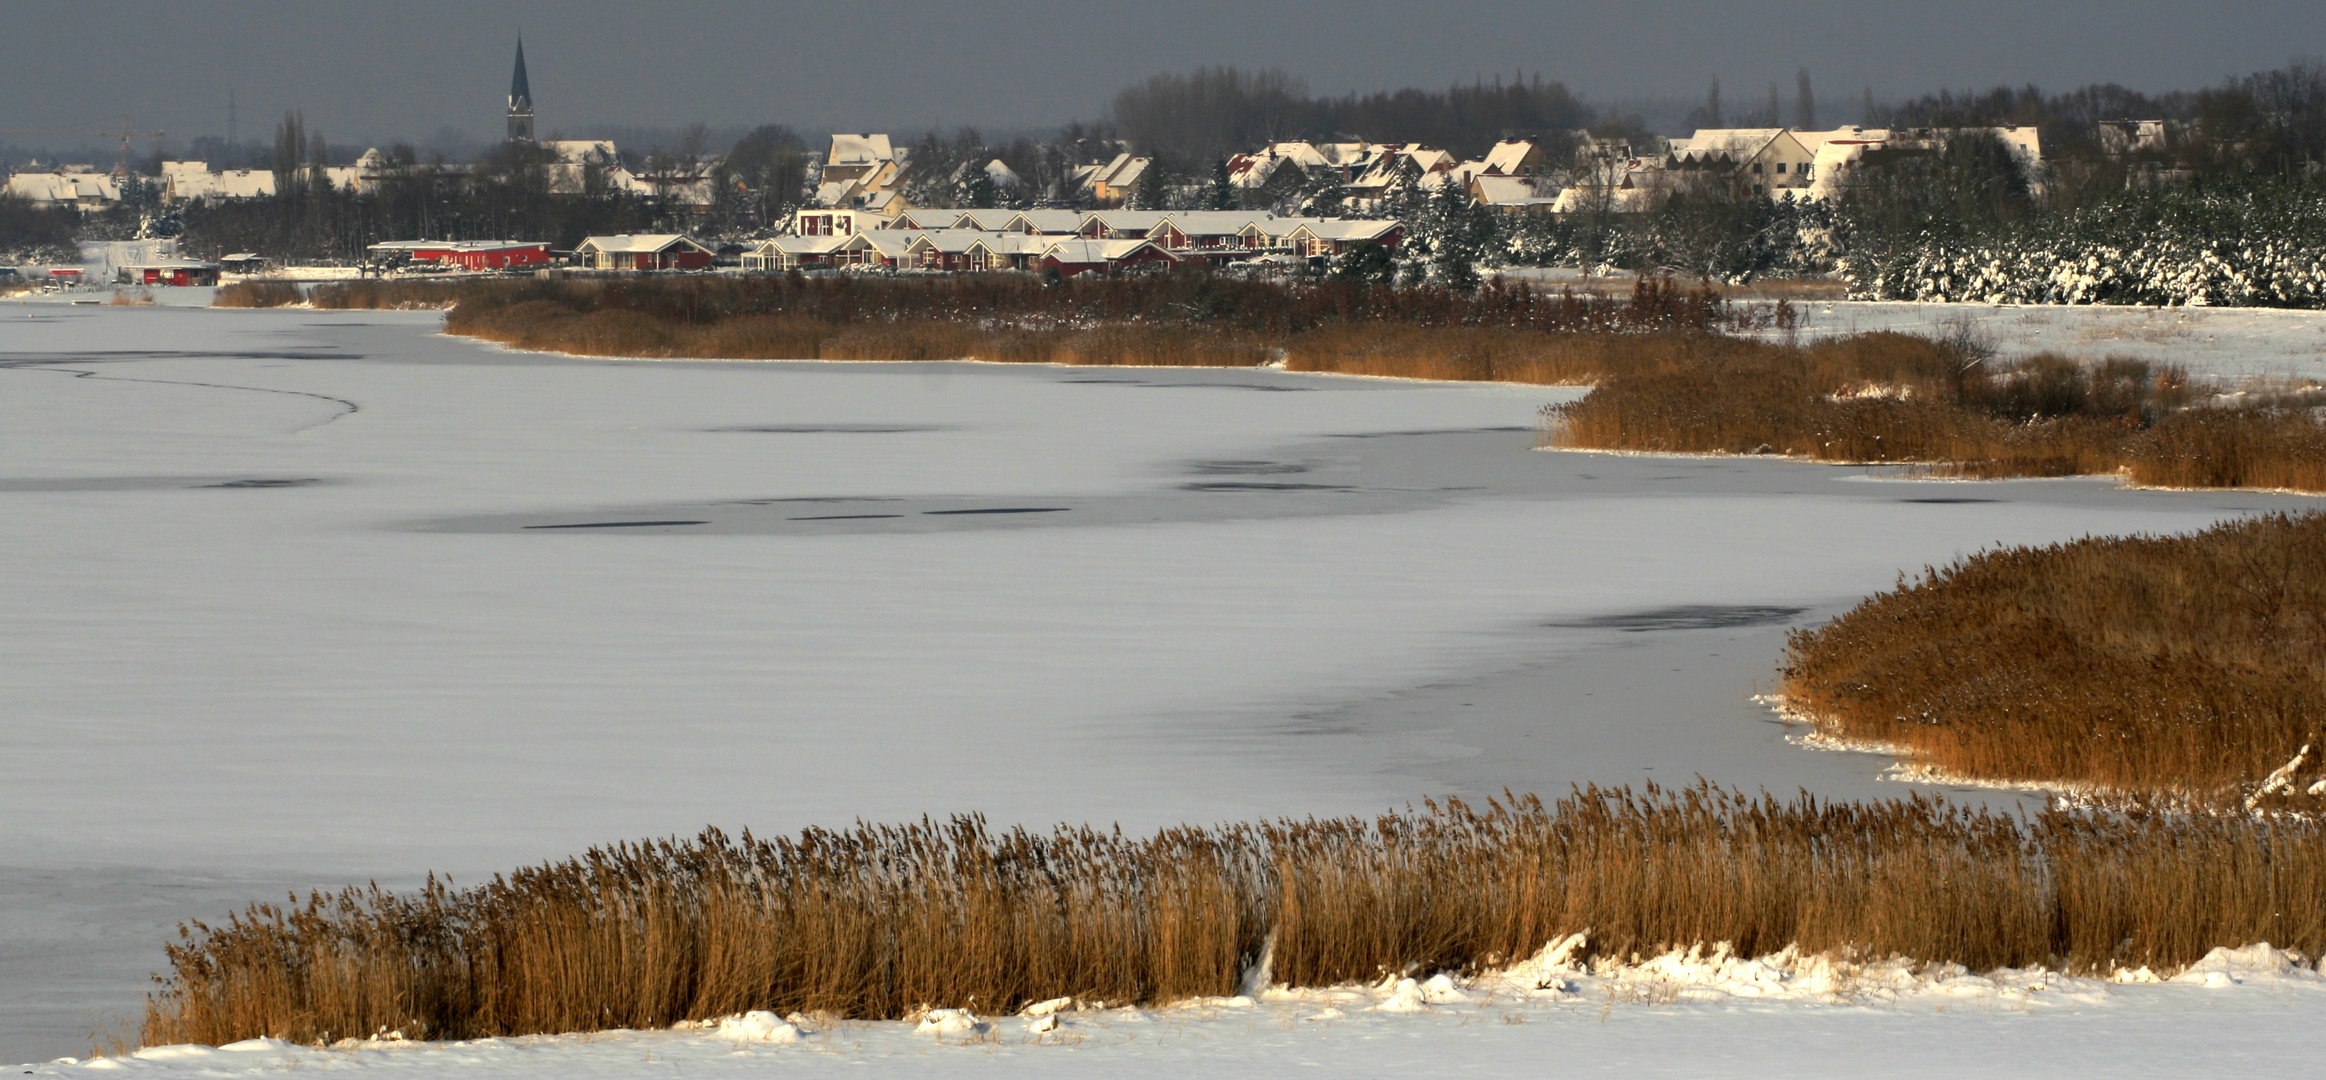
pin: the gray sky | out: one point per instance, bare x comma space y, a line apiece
388, 69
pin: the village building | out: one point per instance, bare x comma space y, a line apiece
464, 254
664, 251
1111, 184
1316, 238
167, 272
1070, 258
78, 190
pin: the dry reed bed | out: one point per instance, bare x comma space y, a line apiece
257, 294
1893, 398
2189, 666
1174, 320
879, 920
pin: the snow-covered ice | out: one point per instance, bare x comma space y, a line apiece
279, 614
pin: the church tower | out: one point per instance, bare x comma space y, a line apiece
520, 101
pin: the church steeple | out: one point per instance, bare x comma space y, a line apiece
520, 101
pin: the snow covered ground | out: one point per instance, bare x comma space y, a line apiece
303, 598
2232, 343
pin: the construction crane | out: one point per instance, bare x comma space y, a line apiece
125, 131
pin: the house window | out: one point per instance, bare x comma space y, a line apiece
1804, 170
1780, 168
1756, 166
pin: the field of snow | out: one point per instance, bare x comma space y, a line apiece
304, 598
2230, 343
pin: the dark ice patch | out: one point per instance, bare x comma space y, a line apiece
1948, 502
264, 483
829, 429
1685, 617
1257, 485
1248, 468
842, 517
1005, 510
616, 524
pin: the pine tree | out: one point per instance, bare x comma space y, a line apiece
1804, 103
1222, 195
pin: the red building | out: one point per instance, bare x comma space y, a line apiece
465, 254
174, 272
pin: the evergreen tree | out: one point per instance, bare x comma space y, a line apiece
1222, 193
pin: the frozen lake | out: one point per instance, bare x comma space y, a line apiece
305, 598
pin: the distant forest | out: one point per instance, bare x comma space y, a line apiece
1214, 112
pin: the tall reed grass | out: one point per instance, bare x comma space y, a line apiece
2191, 666
881, 920
1886, 397
257, 294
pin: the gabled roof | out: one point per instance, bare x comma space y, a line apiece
1130, 221
1209, 222
1093, 252
1123, 171
66, 187
952, 241
859, 150
1509, 156
924, 217
988, 220
1509, 190
891, 244
642, 243
1046, 221
1343, 229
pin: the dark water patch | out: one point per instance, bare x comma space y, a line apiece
301, 482
1248, 468
1005, 510
616, 524
1258, 485
814, 499
842, 517
1948, 502
1685, 617
829, 429
1154, 385
1438, 431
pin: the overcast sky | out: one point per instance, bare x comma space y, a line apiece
389, 69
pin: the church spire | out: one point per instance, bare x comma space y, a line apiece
520, 101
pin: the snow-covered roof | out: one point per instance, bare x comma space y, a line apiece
859, 150
1126, 221
1047, 221
801, 245
64, 187
1093, 252
987, 220
1002, 175
1123, 171
1342, 228
953, 241
837, 193
583, 151
642, 243
1499, 190
1509, 157
890, 243
1210, 222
